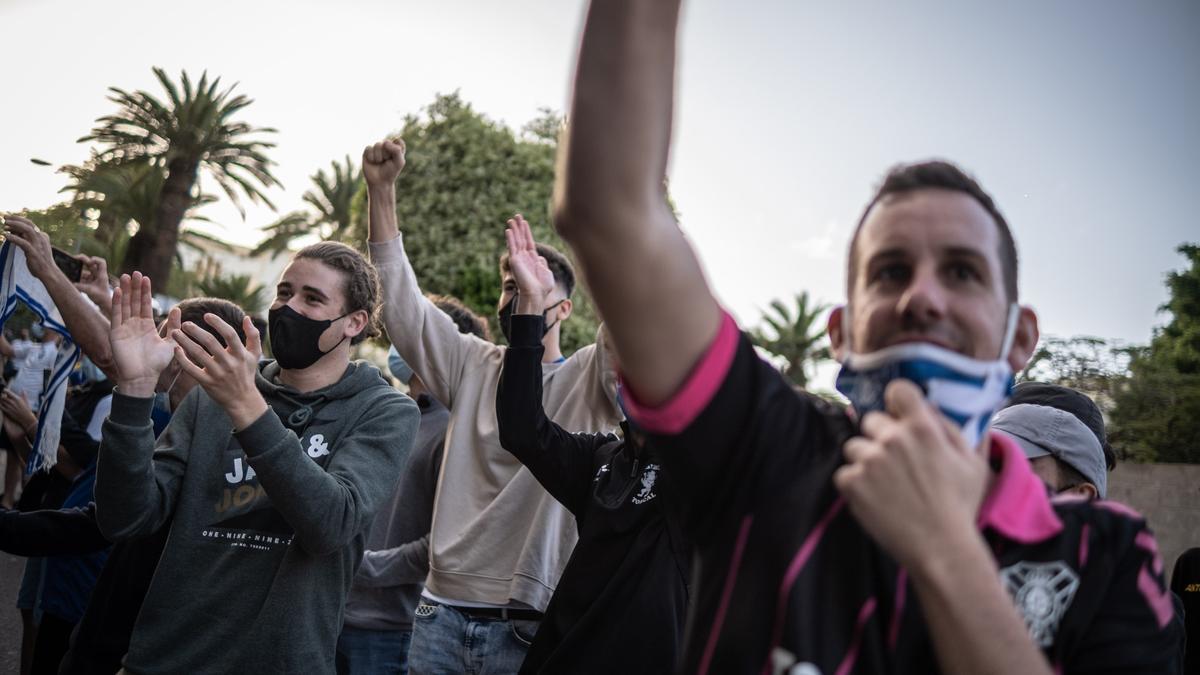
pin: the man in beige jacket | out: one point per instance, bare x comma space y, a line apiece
499, 541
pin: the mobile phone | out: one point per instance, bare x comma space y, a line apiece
68, 264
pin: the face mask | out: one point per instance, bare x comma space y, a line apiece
295, 338
966, 390
506, 313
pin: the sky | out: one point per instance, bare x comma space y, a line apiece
1079, 116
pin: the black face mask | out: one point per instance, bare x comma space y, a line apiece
295, 338
506, 312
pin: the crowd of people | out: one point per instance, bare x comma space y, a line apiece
219, 500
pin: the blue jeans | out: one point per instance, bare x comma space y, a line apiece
372, 652
447, 641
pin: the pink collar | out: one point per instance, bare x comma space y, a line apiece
1018, 505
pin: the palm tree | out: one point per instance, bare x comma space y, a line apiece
125, 192
334, 214
795, 335
235, 288
192, 132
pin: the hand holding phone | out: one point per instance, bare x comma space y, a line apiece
69, 264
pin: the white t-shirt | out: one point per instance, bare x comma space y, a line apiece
98, 416
30, 378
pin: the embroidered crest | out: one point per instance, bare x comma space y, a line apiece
1042, 593
649, 476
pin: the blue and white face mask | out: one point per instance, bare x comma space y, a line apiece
968, 391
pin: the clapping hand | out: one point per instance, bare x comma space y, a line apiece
225, 372
139, 352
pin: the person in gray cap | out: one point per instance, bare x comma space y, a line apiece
1061, 431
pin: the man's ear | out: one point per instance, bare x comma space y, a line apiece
837, 338
1025, 339
1085, 490
356, 323
564, 309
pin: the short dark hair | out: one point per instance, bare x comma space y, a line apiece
194, 309
560, 266
942, 175
468, 322
362, 281
1069, 476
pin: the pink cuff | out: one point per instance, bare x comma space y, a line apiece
678, 413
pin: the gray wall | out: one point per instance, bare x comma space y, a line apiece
1169, 496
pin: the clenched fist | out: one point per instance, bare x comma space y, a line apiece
383, 162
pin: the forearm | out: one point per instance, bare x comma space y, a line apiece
89, 328
615, 158
130, 499
424, 336
329, 506
404, 564
519, 411
381, 213
51, 532
973, 623
560, 460
611, 197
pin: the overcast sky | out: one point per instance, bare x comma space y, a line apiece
1079, 116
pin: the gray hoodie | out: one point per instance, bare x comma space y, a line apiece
268, 522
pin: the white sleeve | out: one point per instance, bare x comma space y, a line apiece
98, 416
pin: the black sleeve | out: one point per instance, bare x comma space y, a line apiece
78, 442
1182, 573
561, 461
51, 532
748, 435
1137, 629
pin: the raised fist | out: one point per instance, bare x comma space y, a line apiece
383, 162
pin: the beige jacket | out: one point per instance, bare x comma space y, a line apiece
497, 535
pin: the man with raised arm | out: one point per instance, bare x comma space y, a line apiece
621, 602
270, 473
499, 542
908, 541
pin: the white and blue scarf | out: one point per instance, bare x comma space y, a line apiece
17, 284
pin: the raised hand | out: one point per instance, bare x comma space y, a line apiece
535, 281
35, 243
226, 373
383, 162
93, 281
139, 352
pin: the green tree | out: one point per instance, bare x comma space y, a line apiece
333, 213
1092, 365
1156, 416
192, 131
464, 176
795, 333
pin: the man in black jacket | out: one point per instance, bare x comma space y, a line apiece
622, 599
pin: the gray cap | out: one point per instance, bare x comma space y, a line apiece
1042, 430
